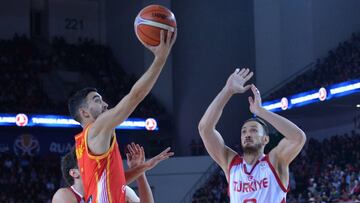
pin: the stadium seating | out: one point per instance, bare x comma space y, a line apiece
36, 75
340, 65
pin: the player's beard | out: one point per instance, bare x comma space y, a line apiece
254, 149
95, 114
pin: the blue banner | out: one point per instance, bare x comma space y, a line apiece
312, 96
58, 121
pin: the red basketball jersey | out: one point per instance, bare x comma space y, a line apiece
102, 175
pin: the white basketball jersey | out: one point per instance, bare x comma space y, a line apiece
78, 195
260, 185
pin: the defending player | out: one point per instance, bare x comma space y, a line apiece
255, 176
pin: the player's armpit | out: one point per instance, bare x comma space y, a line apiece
216, 147
286, 151
109, 120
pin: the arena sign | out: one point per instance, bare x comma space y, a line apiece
74, 19
312, 96
58, 121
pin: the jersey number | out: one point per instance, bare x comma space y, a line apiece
250, 201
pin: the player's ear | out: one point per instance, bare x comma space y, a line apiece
83, 113
75, 173
266, 139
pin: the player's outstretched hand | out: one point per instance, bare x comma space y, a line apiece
236, 82
166, 43
135, 155
255, 102
151, 163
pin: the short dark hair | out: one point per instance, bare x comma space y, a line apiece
68, 162
261, 122
77, 101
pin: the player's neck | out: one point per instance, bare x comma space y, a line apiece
85, 123
251, 158
78, 187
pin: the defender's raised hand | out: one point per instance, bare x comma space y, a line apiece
135, 155
255, 103
151, 163
237, 80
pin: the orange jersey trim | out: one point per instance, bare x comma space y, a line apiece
92, 156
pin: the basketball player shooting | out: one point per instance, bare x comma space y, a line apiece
97, 150
255, 176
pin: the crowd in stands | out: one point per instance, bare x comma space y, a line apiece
325, 171
340, 65
328, 171
28, 179
215, 190
24, 60
20, 86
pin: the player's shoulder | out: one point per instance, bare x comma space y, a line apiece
63, 195
63, 191
236, 159
81, 134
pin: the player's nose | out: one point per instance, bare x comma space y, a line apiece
247, 135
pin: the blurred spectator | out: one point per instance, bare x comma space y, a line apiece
28, 179
215, 190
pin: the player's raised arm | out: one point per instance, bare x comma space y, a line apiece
212, 139
135, 157
137, 164
294, 138
104, 125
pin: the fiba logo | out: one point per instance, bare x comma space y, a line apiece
284, 103
26, 144
150, 124
322, 94
21, 120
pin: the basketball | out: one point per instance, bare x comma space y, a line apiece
150, 21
